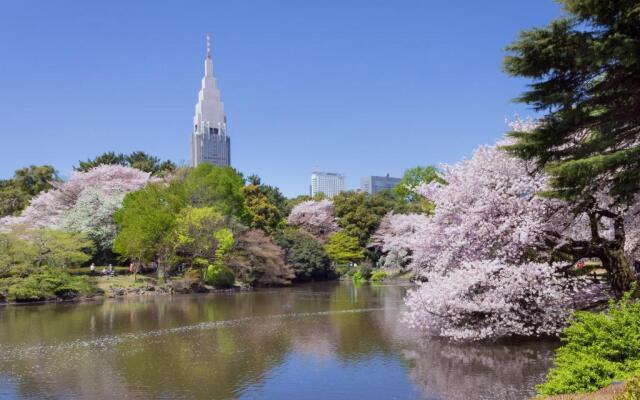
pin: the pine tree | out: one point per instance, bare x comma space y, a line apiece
585, 69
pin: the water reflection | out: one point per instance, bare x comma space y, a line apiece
314, 341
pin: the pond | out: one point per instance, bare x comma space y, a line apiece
313, 341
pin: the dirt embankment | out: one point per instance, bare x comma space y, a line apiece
608, 393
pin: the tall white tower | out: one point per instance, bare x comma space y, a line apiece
209, 140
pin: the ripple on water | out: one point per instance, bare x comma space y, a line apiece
12, 353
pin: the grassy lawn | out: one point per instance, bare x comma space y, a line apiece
121, 281
86, 270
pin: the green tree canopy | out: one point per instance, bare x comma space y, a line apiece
410, 201
195, 233
264, 214
307, 257
138, 159
343, 248
359, 213
584, 69
220, 187
273, 195
26, 183
147, 220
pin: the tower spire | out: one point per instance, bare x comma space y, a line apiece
208, 45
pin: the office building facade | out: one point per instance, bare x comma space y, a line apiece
329, 183
375, 184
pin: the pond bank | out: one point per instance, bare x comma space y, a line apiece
120, 286
125, 285
608, 393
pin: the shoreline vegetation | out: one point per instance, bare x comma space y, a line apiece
124, 284
502, 244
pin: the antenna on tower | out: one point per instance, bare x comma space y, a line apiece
208, 45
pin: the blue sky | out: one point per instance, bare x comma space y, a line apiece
362, 87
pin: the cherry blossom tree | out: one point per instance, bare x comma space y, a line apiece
397, 237
95, 193
489, 209
485, 253
92, 214
491, 299
315, 217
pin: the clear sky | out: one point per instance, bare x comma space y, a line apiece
362, 87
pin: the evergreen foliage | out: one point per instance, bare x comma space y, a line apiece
584, 67
273, 195
263, 214
26, 183
44, 284
359, 213
598, 348
307, 257
138, 160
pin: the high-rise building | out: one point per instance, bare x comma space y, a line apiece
375, 184
209, 140
328, 183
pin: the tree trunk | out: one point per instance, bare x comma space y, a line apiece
161, 269
621, 274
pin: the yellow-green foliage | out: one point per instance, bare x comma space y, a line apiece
343, 248
24, 250
225, 243
219, 275
598, 349
46, 283
194, 232
378, 276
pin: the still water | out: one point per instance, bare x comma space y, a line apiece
316, 341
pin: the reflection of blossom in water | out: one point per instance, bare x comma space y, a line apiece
480, 371
316, 345
457, 371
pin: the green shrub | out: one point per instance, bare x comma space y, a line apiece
344, 270
632, 390
361, 274
219, 276
45, 284
598, 349
307, 257
378, 276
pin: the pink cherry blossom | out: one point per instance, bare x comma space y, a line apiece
315, 217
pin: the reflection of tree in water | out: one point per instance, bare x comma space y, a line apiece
356, 335
120, 356
128, 349
216, 363
481, 371
455, 371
